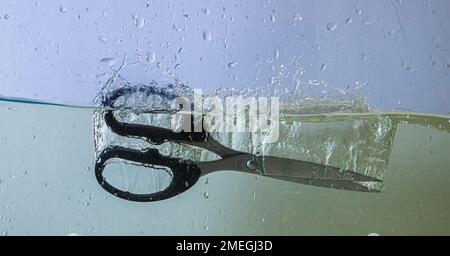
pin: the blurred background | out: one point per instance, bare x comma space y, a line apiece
395, 53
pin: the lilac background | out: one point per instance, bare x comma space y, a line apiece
51, 50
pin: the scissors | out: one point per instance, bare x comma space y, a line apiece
185, 172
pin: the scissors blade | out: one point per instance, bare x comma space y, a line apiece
335, 184
276, 166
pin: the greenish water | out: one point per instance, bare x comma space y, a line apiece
47, 184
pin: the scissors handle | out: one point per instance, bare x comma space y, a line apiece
153, 134
185, 173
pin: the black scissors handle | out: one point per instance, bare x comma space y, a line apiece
185, 173
153, 134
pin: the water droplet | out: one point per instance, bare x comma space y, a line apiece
272, 18
206, 194
205, 227
348, 21
363, 57
276, 54
109, 61
254, 195
33, 136
102, 38
176, 28
331, 26
206, 181
359, 12
251, 164
366, 21
206, 36
139, 22
232, 64
205, 11
297, 17
314, 82
150, 57
62, 9
323, 67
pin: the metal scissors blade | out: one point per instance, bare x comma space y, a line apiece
284, 167
334, 184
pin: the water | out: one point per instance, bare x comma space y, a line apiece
48, 154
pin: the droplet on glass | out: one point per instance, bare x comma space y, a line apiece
323, 67
205, 11
139, 22
297, 17
109, 61
150, 57
206, 36
331, 26
272, 18
62, 9
206, 195
102, 38
232, 64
